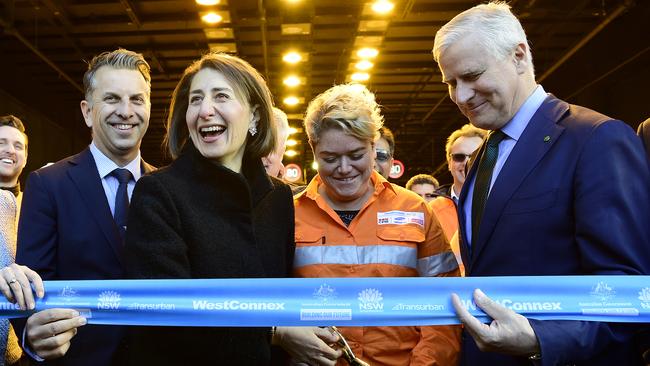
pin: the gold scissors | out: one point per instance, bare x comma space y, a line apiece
347, 351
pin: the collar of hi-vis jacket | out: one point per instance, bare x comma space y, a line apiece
380, 185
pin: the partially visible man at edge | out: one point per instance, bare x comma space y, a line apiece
273, 161
557, 189
13, 157
73, 215
461, 144
384, 151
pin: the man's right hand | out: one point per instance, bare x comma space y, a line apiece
50, 331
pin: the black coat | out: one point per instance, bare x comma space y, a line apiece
197, 219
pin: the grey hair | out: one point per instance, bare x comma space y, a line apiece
497, 31
118, 59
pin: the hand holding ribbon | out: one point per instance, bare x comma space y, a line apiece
508, 332
308, 345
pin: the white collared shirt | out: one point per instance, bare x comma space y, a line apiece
513, 130
105, 166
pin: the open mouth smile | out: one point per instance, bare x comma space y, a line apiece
211, 131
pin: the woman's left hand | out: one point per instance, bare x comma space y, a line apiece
16, 284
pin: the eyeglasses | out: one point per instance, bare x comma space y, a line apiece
382, 155
460, 157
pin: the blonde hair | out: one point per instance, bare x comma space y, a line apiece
348, 107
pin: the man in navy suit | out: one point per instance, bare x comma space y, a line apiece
557, 189
68, 229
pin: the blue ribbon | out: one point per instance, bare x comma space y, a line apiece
342, 301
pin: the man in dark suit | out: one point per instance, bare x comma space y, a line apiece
72, 220
557, 189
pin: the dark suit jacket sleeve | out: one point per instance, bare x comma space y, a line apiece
612, 211
37, 228
154, 246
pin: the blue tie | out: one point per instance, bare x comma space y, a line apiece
483, 179
122, 199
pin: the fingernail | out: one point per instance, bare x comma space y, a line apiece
82, 321
75, 313
31, 305
40, 294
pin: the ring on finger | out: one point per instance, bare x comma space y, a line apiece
12, 281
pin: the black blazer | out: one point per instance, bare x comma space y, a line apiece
197, 219
66, 232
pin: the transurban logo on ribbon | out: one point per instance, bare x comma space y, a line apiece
236, 305
400, 218
644, 296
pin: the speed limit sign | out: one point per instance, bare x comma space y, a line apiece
292, 173
397, 170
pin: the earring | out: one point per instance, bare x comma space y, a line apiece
253, 130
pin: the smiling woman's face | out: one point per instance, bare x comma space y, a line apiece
217, 119
345, 165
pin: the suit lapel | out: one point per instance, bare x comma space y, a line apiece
536, 140
86, 178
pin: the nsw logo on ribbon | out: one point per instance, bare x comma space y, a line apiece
371, 299
108, 300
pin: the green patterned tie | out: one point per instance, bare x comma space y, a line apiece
483, 179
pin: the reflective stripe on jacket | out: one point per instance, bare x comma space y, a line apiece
445, 210
395, 234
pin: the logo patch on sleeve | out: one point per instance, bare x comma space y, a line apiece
400, 218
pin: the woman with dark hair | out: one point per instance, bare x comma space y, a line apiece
214, 212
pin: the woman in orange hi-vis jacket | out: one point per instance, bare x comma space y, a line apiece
351, 222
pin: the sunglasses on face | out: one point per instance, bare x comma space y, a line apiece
382, 155
460, 157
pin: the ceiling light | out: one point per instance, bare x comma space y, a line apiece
364, 65
290, 153
314, 165
296, 29
292, 142
292, 130
212, 18
291, 81
292, 57
360, 76
291, 100
367, 52
382, 6
208, 2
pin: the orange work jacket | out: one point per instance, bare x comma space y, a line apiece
395, 234
445, 211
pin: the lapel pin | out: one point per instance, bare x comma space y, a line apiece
547, 138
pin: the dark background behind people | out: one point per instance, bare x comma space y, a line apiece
610, 72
